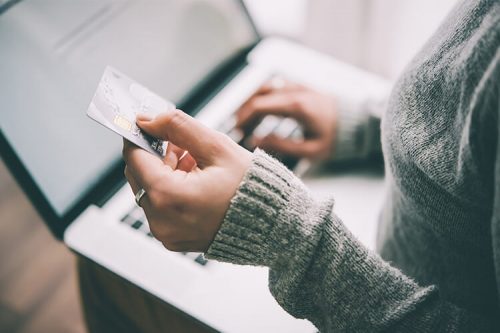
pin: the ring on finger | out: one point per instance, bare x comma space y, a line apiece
139, 195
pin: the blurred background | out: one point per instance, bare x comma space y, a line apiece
38, 285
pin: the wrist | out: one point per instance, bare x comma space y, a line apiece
266, 220
253, 213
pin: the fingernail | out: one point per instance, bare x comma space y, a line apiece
145, 117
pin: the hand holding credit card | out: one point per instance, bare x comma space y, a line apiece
117, 102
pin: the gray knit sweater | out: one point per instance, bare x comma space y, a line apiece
438, 267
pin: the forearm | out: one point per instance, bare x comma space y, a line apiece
318, 270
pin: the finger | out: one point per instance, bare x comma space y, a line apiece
187, 163
170, 158
184, 160
277, 83
281, 104
173, 155
144, 166
183, 131
177, 150
273, 143
134, 186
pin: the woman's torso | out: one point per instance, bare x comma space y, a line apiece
439, 145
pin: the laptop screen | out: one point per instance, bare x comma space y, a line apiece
54, 53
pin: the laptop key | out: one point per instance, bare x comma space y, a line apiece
267, 126
286, 128
227, 126
201, 260
136, 219
236, 135
127, 219
137, 224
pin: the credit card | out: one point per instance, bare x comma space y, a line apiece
117, 102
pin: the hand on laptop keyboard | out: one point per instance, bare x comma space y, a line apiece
187, 194
270, 119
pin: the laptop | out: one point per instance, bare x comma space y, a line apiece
204, 55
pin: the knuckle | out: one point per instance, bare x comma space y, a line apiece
156, 191
167, 245
178, 118
161, 230
256, 106
252, 104
173, 246
168, 204
156, 199
218, 143
156, 228
298, 102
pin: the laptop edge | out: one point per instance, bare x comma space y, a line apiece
113, 179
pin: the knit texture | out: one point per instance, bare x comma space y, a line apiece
358, 130
438, 267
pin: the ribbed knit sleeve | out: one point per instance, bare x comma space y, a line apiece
261, 228
358, 129
318, 269
442, 213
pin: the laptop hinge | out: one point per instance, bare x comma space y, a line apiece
214, 82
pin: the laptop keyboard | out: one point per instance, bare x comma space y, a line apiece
136, 220
286, 128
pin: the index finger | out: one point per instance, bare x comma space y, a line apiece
144, 166
274, 85
277, 83
279, 104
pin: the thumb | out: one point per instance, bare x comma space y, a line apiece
183, 131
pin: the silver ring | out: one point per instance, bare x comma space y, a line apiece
138, 196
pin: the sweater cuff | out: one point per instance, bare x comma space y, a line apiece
250, 232
350, 123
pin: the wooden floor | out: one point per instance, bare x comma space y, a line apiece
38, 282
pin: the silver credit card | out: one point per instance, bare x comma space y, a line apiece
117, 102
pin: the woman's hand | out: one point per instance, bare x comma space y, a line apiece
187, 194
314, 111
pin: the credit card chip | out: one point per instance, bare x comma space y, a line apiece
123, 123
